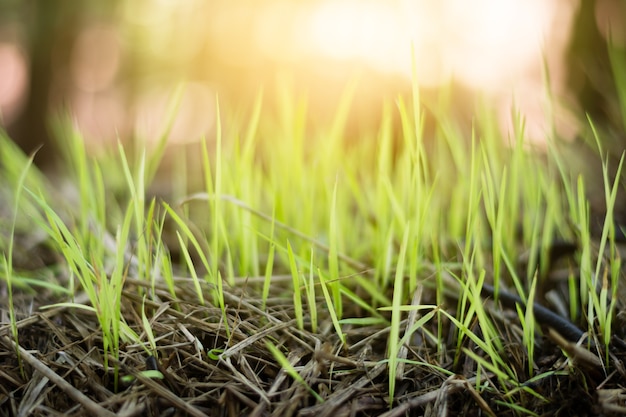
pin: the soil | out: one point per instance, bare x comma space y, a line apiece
214, 367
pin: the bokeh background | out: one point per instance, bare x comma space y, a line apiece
114, 65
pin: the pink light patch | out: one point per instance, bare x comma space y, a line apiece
13, 81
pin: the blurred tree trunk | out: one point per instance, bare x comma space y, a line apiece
52, 27
589, 76
591, 82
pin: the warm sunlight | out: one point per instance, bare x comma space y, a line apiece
234, 49
312, 208
369, 31
484, 43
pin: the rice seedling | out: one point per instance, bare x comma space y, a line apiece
374, 268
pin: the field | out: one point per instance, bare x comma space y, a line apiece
298, 271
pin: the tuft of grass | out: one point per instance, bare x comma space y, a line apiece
297, 285
9, 275
394, 330
332, 243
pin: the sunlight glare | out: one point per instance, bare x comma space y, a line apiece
367, 31
494, 41
483, 43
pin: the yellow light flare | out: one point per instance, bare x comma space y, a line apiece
483, 43
367, 30
495, 46
493, 42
